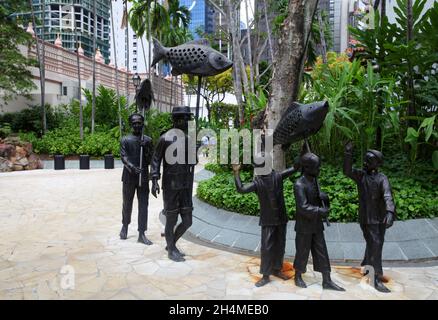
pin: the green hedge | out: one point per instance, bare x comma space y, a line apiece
66, 141
413, 199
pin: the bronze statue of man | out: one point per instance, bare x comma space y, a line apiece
177, 180
130, 154
312, 206
376, 207
273, 218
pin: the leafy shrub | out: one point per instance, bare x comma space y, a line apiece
5, 130
157, 123
66, 141
413, 199
29, 120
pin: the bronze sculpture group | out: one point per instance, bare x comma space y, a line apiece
376, 205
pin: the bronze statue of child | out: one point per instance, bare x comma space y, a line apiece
376, 207
273, 218
312, 208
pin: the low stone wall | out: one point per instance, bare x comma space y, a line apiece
16, 155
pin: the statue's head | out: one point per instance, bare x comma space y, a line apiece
373, 160
310, 164
136, 121
181, 117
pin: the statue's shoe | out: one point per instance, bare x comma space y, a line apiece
379, 286
143, 239
182, 254
299, 282
330, 285
124, 233
262, 282
173, 255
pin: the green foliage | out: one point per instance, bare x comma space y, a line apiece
157, 123
413, 199
67, 141
422, 135
15, 76
222, 114
107, 108
29, 120
5, 130
170, 24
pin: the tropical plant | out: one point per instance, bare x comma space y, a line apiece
106, 114
15, 76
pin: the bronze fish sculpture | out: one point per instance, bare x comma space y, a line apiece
193, 58
299, 122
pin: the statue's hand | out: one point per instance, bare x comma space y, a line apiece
297, 163
155, 187
236, 167
348, 147
324, 211
389, 220
144, 143
137, 170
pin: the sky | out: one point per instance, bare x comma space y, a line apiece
250, 11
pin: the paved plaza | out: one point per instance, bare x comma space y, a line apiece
57, 223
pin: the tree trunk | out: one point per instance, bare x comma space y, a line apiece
93, 105
270, 42
208, 106
251, 68
239, 74
383, 10
117, 70
81, 115
237, 59
40, 56
322, 38
293, 42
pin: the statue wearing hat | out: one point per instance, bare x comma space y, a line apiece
376, 207
177, 179
133, 168
312, 207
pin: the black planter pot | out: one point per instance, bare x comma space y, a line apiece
109, 161
84, 162
59, 162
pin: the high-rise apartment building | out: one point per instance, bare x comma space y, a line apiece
61, 16
137, 47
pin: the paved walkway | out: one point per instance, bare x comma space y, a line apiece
53, 219
406, 241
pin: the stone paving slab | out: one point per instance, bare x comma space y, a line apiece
52, 220
405, 241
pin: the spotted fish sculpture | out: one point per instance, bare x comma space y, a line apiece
299, 122
192, 58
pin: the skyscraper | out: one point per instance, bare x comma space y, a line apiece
61, 17
202, 16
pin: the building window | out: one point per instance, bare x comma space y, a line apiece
135, 44
134, 68
134, 60
134, 36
